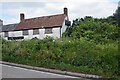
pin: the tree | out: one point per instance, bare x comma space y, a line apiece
99, 30
117, 14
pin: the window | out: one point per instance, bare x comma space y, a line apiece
35, 31
67, 23
25, 32
48, 30
6, 34
15, 38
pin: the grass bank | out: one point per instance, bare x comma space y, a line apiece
76, 55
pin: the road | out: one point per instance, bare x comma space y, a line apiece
17, 72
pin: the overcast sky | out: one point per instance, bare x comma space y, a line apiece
36, 8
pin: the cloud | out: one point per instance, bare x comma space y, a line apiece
76, 8
33, 0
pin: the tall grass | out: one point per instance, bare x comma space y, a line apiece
76, 55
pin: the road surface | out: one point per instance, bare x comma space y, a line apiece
17, 72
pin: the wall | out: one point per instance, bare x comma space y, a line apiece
64, 27
41, 35
57, 33
1, 34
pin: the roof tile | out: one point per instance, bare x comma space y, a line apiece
40, 22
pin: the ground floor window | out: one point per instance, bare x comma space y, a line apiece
25, 32
35, 31
6, 34
15, 38
48, 30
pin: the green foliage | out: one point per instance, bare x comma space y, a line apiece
89, 46
77, 55
103, 33
98, 30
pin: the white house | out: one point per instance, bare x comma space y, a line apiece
39, 27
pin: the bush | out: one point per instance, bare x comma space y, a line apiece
76, 55
89, 46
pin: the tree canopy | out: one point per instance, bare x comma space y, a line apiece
94, 29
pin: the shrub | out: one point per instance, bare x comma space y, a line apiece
77, 55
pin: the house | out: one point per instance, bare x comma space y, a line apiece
39, 27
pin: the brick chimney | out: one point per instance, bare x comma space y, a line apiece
66, 11
22, 17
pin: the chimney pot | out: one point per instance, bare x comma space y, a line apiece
22, 17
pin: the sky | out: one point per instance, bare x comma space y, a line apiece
10, 9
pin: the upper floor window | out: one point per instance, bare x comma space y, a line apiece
6, 34
25, 32
48, 30
35, 31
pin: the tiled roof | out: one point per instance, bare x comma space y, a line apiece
9, 27
42, 22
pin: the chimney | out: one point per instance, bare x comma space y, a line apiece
66, 11
22, 17
1, 22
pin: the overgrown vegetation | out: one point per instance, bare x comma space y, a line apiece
92, 29
90, 46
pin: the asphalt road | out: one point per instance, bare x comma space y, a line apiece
17, 72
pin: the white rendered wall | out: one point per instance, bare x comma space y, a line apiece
64, 27
57, 33
15, 33
2, 34
41, 35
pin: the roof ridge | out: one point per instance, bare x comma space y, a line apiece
45, 16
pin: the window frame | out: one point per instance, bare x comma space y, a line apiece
6, 34
25, 32
34, 31
48, 30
